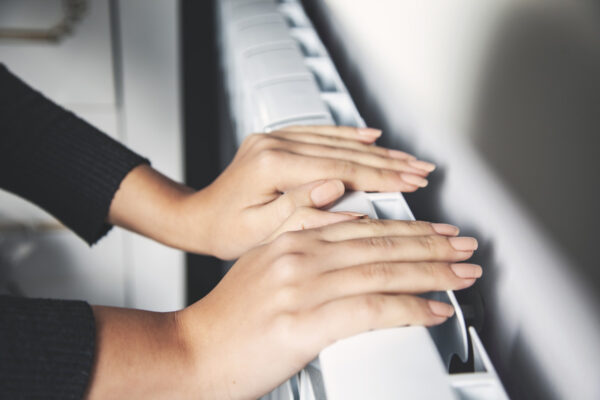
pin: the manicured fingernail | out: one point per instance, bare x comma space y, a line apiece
352, 214
400, 155
441, 309
369, 132
463, 243
414, 180
445, 229
437, 320
424, 165
467, 271
326, 193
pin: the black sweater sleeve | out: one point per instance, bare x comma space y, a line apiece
56, 160
46, 348
64, 165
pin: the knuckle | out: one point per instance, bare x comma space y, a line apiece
416, 309
434, 274
269, 158
286, 266
430, 245
381, 242
378, 272
421, 226
345, 168
377, 225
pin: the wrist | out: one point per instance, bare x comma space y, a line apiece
202, 361
191, 223
140, 354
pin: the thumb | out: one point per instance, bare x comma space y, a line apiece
316, 194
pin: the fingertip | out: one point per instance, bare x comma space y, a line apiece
327, 192
369, 134
414, 180
400, 155
407, 188
437, 320
422, 165
440, 309
445, 229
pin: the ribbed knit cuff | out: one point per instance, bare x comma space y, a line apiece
46, 348
58, 161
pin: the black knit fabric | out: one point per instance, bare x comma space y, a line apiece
46, 348
64, 165
56, 160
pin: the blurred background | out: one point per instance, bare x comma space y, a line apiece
504, 96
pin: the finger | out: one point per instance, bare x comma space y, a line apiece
383, 227
361, 157
300, 169
308, 218
392, 278
349, 316
395, 248
367, 135
313, 194
315, 138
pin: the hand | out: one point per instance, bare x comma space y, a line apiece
276, 183
274, 175
279, 306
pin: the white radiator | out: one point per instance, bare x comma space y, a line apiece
278, 73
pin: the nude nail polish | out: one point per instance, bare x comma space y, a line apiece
414, 180
463, 243
445, 229
441, 309
423, 165
369, 132
400, 155
467, 271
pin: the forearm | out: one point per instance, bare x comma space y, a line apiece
155, 206
139, 354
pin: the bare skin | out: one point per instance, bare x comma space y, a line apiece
276, 182
290, 294
278, 306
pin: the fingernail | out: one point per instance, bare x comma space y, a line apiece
414, 180
352, 214
326, 193
437, 320
369, 132
445, 229
441, 309
400, 155
463, 243
424, 165
467, 271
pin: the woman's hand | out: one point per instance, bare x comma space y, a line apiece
276, 182
282, 303
279, 306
